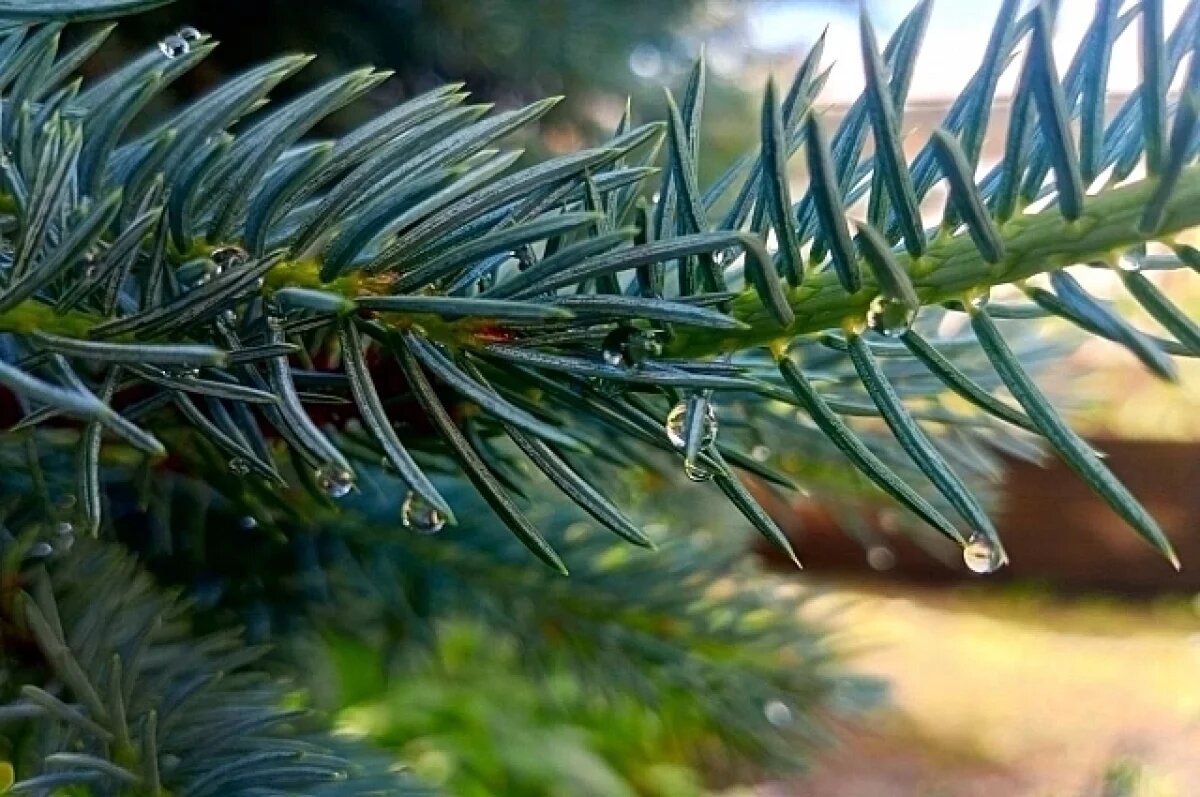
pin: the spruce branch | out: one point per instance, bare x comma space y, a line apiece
119, 697
953, 269
541, 302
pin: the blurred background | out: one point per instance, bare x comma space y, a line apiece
1075, 671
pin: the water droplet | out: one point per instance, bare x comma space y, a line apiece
777, 713
421, 516
189, 34
890, 317
982, 555
880, 557
239, 466
227, 257
334, 480
677, 423
64, 534
978, 299
1129, 264
248, 522
40, 550
760, 453
696, 471
626, 347
174, 46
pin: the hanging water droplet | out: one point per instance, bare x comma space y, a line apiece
695, 471
677, 425
890, 317
880, 557
777, 713
40, 550
760, 453
174, 46
239, 466
982, 555
334, 480
189, 34
64, 534
978, 299
248, 522
227, 257
421, 516
626, 347
1129, 264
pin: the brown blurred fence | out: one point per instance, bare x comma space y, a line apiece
1056, 530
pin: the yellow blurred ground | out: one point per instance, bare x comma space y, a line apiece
1017, 698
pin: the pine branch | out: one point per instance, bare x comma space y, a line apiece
120, 699
952, 267
461, 272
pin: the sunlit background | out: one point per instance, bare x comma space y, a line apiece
1077, 673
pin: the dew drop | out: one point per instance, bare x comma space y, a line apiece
890, 317
979, 299
1129, 264
419, 515
777, 713
695, 471
760, 453
41, 550
64, 536
677, 425
174, 46
626, 347
227, 257
334, 480
189, 34
239, 466
981, 555
248, 522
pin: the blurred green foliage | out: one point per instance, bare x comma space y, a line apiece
478, 719
509, 52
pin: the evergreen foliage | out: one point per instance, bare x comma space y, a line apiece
212, 322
